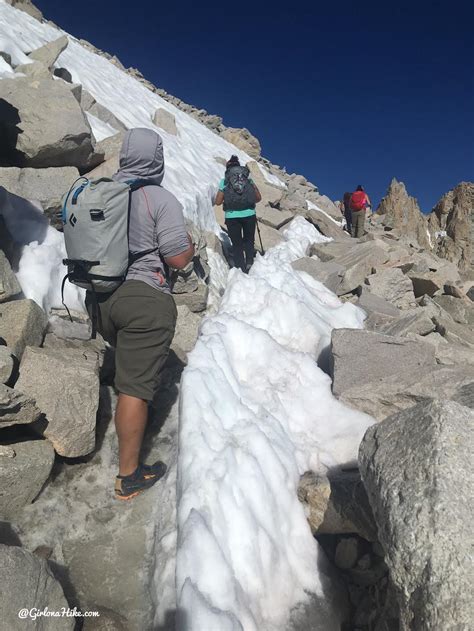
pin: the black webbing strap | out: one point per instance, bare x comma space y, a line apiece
132, 257
63, 284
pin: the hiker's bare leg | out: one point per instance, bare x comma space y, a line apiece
130, 421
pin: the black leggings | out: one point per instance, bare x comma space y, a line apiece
241, 231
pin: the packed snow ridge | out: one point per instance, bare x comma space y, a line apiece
256, 413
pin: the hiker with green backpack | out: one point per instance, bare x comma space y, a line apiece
239, 195
120, 236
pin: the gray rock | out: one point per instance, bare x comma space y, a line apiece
415, 466
105, 169
107, 620
347, 553
6, 57
359, 262
63, 328
7, 364
270, 237
273, 217
9, 286
293, 201
449, 354
99, 565
22, 477
111, 146
439, 274
30, 585
389, 395
401, 213
414, 322
196, 301
470, 293
65, 384
110, 149
22, 323
329, 273
46, 186
104, 351
453, 331
27, 7
271, 195
49, 53
16, 408
55, 131
34, 70
451, 226
361, 357
166, 121
376, 322
461, 311
184, 281
87, 100
186, 332
453, 290
331, 250
106, 116
243, 139
323, 202
337, 504
326, 226
425, 283
64, 74
371, 303
394, 286
75, 88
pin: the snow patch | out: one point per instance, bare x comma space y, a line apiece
271, 179
429, 238
312, 206
100, 129
41, 272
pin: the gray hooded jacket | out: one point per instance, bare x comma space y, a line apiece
156, 216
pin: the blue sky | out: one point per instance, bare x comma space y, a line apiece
342, 92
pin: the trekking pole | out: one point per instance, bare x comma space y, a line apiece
260, 237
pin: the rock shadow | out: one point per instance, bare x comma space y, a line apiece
9, 132
24, 221
175, 620
166, 396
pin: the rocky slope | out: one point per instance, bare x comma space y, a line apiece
411, 368
446, 231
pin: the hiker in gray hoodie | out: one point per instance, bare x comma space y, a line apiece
139, 317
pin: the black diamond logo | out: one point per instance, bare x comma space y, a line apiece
73, 220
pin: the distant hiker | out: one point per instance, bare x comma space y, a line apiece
345, 207
240, 195
359, 202
139, 316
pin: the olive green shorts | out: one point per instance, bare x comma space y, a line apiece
139, 321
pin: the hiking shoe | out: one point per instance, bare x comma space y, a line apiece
144, 476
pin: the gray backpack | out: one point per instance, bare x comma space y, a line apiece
239, 191
95, 216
